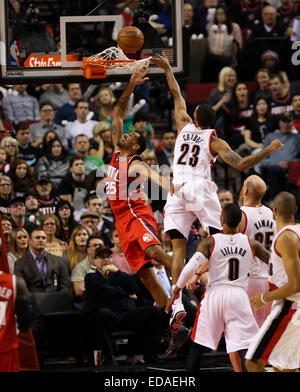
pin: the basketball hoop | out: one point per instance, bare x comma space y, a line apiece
95, 66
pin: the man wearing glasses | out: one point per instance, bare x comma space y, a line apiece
6, 188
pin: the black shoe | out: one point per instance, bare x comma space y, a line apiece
153, 359
177, 341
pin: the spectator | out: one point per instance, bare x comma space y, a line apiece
41, 271
51, 226
165, 156
66, 113
7, 229
21, 177
19, 245
275, 166
270, 61
118, 258
71, 187
296, 111
142, 126
191, 19
46, 124
45, 195
54, 164
64, 212
55, 95
262, 90
207, 14
6, 194
82, 125
223, 16
77, 246
26, 150
20, 106
32, 208
85, 266
247, 13
225, 197
287, 11
222, 94
110, 307
90, 221
82, 148
17, 215
101, 144
281, 100
11, 148
104, 103
4, 165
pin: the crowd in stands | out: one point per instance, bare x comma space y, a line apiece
56, 145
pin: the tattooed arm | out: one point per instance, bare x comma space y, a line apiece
220, 147
137, 78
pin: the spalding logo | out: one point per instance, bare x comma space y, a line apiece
147, 237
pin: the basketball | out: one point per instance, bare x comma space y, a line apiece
130, 39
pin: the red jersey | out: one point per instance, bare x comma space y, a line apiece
123, 192
8, 331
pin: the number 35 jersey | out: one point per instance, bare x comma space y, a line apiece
230, 260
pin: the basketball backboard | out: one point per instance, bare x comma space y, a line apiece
39, 48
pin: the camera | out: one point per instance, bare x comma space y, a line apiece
140, 16
33, 20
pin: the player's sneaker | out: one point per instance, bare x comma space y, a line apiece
177, 340
178, 313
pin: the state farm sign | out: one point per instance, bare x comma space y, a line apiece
47, 60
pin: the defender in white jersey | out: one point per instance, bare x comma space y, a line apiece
257, 223
225, 307
195, 194
278, 340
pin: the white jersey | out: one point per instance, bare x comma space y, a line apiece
277, 273
260, 226
192, 154
230, 260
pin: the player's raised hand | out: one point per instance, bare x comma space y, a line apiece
275, 145
139, 76
161, 61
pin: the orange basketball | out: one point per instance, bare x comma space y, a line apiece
130, 39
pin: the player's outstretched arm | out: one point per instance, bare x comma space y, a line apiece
180, 111
260, 251
141, 169
137, 78
222, 148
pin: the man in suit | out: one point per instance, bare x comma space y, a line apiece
41, 271
165, 156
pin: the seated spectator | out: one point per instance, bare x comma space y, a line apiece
110, 307
7, 229
118, 258
64, 212
207, 15
270, 61
275, 166
262, 90
11, 148
191, 19
50, 224
26, 150
71, 187
287, 11
66, 112
101, 144
55, 95
32, 208
20, 106
19, 245
225, 196
41, 271
21, 177
6, 194
235, 115
296, 111
85, 266
165, 156
46, 196
17, 215
38, 130
247, 13
259, 125
77, 246
104, 103
54, 164
223, 16
281, 100
90, 221
222, 94
82, 148
142, 126
4, 165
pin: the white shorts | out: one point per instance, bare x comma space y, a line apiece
278, 340
224, 309
181, 212
256, 286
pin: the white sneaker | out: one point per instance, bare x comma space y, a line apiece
178, 313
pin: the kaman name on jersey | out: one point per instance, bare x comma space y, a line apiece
264, 223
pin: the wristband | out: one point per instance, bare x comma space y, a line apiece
262, 298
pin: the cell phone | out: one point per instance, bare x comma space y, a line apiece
156, 50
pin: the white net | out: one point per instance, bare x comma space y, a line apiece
114, 53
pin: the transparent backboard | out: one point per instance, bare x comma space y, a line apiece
40, 45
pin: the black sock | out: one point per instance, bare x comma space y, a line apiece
165, 317
194, 357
